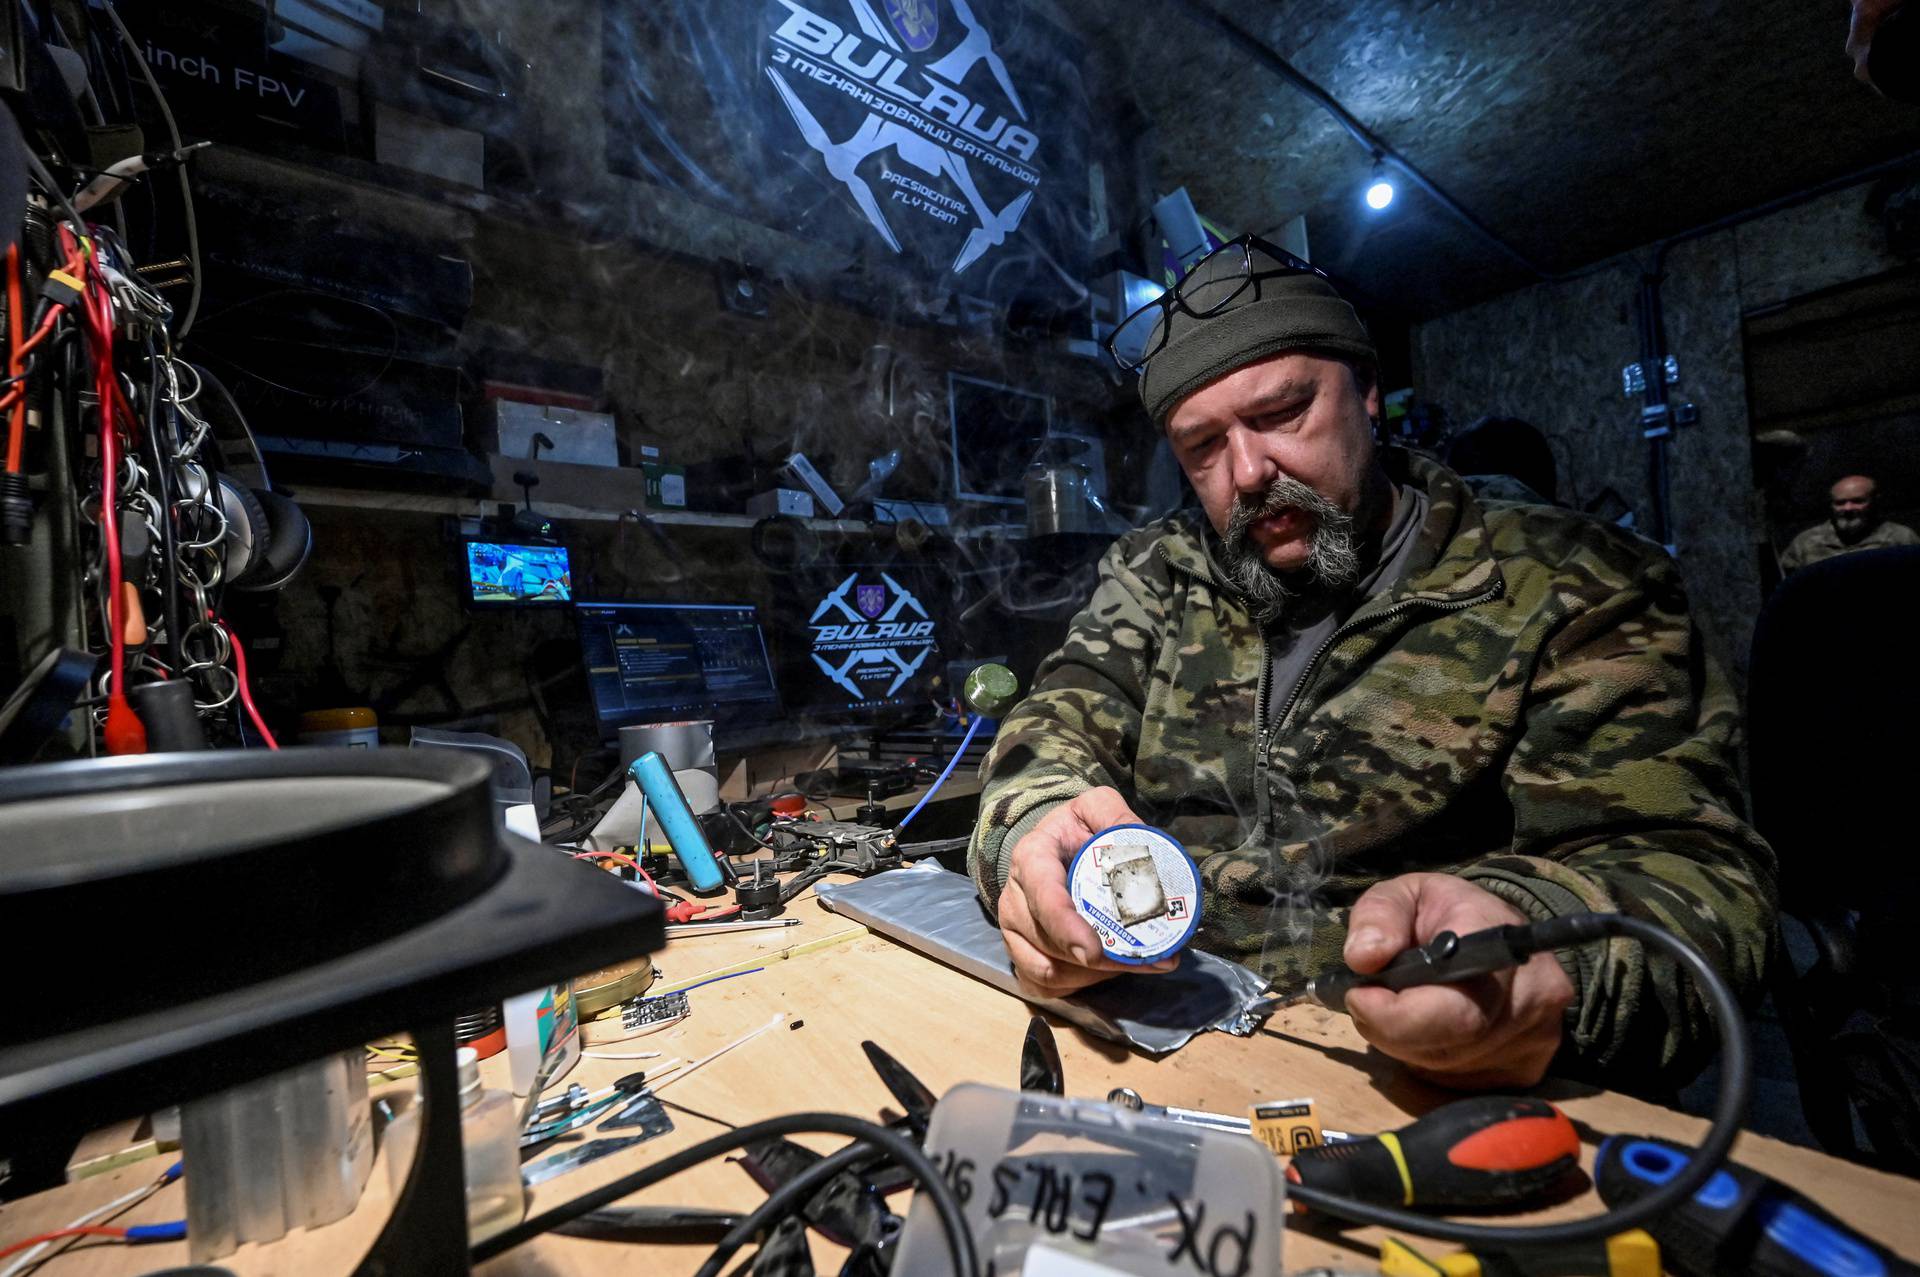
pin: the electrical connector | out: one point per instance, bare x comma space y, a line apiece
61, 288
16, 510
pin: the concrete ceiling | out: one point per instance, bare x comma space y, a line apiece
1575, 129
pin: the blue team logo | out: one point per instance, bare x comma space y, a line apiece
871, 646
917, 21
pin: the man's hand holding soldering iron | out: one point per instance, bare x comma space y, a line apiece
1493, 1031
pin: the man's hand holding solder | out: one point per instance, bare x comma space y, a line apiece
1054, 950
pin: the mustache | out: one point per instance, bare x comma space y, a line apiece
1284, 493
1333, 559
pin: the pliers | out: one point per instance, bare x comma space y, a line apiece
695, 911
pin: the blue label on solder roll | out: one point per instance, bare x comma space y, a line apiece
1139, 890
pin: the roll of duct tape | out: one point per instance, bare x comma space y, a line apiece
682, 746
702, 789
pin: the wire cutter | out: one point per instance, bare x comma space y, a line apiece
696, 911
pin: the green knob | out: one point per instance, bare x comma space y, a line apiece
991, 690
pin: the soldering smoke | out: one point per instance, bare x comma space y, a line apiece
1333, 555
1298, 873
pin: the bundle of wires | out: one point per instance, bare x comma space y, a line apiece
124, 733
582, 812
21, 357
89, 309
91, 1225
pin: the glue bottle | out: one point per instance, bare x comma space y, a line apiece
490, 1148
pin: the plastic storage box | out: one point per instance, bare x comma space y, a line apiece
1057, 1187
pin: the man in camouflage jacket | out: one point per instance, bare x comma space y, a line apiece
1518, 722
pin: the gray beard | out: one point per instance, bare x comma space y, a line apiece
1333, 554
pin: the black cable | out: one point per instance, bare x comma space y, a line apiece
936, 847
747, 829
781, 1202
39, 171
186, 187
1736, 1081
576, 803
611, 779
959, 1240
548, 835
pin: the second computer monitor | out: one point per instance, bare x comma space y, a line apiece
663, 662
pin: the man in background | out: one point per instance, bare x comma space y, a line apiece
1854, 524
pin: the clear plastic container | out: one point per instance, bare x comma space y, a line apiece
288, 1151
490, 1148
1057, 1187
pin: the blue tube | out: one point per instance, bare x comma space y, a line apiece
958, 754
171, 1231
683, 832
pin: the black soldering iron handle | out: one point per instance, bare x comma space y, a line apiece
1450, 958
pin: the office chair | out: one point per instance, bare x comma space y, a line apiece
1833, 704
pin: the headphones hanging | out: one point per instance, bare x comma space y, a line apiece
268, 537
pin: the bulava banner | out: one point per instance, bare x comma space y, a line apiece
950, 135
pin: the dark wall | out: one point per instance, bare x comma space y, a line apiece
1553, 354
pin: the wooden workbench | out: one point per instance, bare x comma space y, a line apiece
838, 985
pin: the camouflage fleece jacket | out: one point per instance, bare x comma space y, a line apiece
1528, 707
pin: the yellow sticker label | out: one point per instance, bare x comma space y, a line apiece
1285, 1126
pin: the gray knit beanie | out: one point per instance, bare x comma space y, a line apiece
1293, 311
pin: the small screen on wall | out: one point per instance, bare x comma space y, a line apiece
501, 573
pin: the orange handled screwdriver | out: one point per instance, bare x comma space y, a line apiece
1491, 1150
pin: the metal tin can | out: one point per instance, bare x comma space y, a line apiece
1140, 891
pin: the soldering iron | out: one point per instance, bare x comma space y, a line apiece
1450, 959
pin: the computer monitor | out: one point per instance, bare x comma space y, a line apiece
858, 643
665, 662
995, 430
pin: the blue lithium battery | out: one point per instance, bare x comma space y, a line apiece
1140, 891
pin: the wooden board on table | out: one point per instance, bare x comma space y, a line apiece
948, 1029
